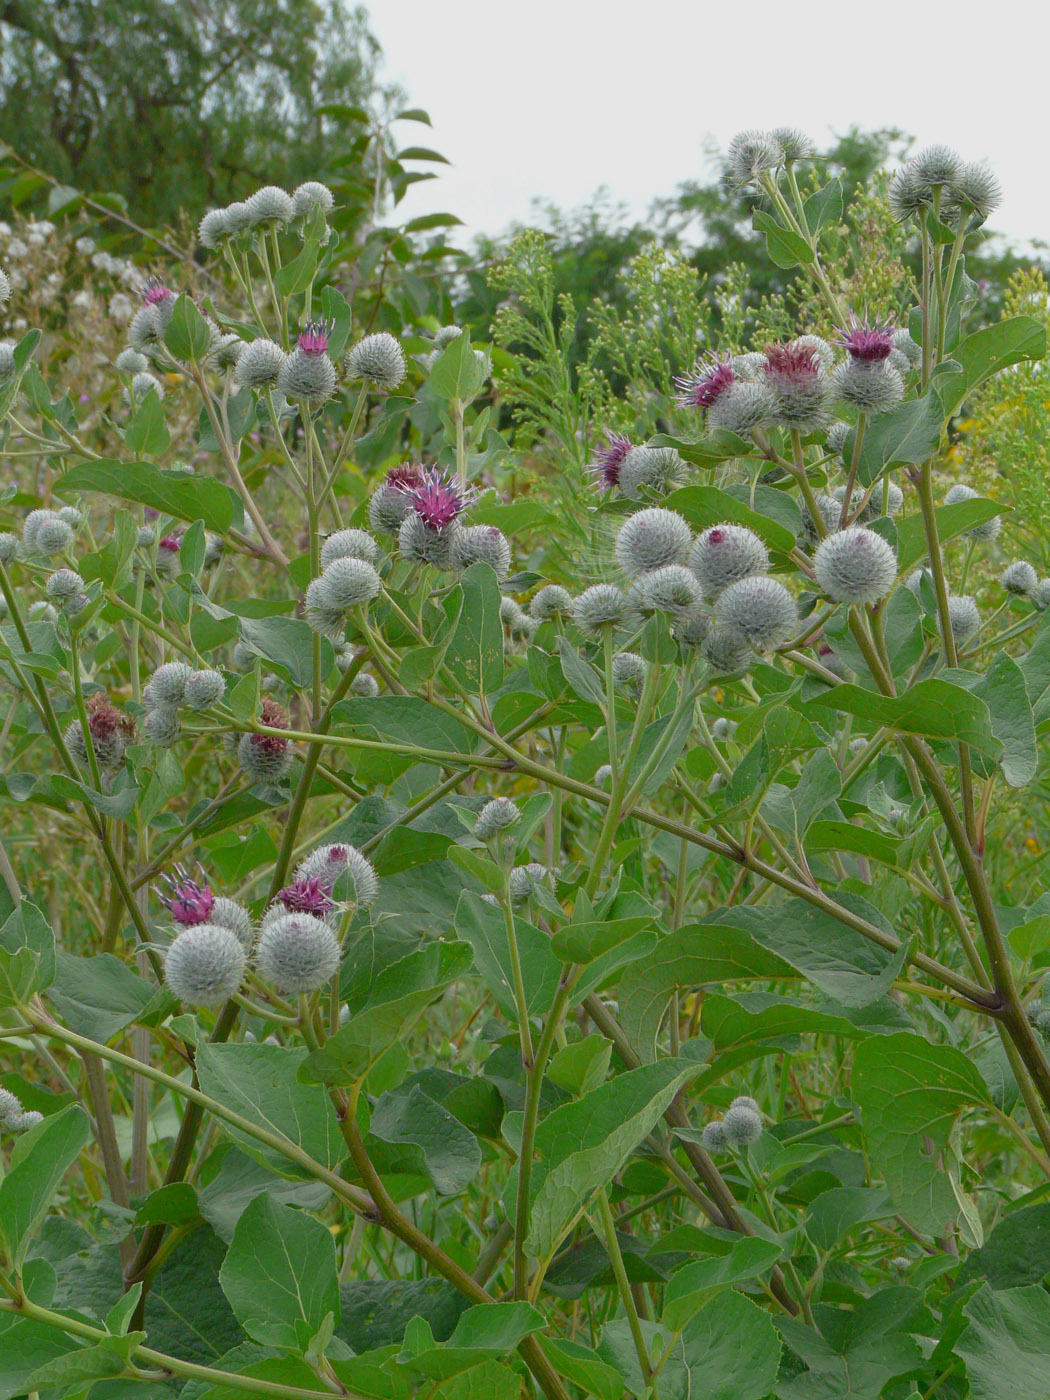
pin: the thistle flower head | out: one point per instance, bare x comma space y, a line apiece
692, 629
976, 188
307, 374
743, 407
379, 359
794, 144
52, 535
655, 467
333, 862
64, 584
203, 689
710, 378
481, 544
259, 364
1040, 595
524, 879
551, 601
8, 546
348, 582
608, 461
724, 554
161, 726
628, 670
390, 503
908, 196
297, 953
751, 153
167, 685
936, 165
418, 541
5, 288
794, 374
227, 913
713, 1137
1019, 577
238, 215
988, 529
13, 1117
365, 685
742, 1124
824, 352
496, 816
310, 195
349, 544
725, 650
270, 205
110, 731
314, 337
266, 757
205, 965
910, 349
855, 565
309, 896
867, 340
439, 500
213, 228
760, 610
750, 366
874, 386
964, 617
651, 538
153, 291
187, 901
672, 589
600, 606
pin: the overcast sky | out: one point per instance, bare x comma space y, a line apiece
554, 98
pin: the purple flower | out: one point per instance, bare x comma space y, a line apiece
188, 902
406, 477
867, 341
314, 337
794, 363
608, 460
710, 378
153, 290
172, 543
440, 500
307, 897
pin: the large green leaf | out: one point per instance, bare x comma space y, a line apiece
181, 494
910, 1092
39, 1160
706, 505
908, 433
1004, 690
98, 996
279, 1274
484, 927
449, 1153
474, 654
989, 350
692, 1287
288, 642
933, 708
260, 1083
1007, 1343
187, 335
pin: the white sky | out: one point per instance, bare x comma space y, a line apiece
555, 98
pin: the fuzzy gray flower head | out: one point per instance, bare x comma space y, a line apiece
8, 546
205, 965
481, 544
311, 195
129, 361
167, 685
349, 544
161, 726
976, 189
1040, 595
794, 143
203, 689
750, 366
823, 351
726, 650
338, 862
365, 685
63, 584
742, 1124
964, 618
713, 1136
213, 228
988, 529
494, 817
423, 544
259, 364
270, 206
936, 165
672, 589
910, 349
1019, 577
5, 288
600, 606
297, 953
378, 359
52, 536
227, 913
742, 408
838, 433
524, 880
873, 386
760, 610
855, 565
655, 468
7, 361
348, 582
308, 375
13, 1117
651, 538
628, 671
751, 154
724, 554
551, 601
692, 629
796, 378
516, 620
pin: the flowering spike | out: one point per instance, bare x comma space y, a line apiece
710, 378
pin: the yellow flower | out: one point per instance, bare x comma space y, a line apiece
1032, 845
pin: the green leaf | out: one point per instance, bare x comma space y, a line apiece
933, 708
185, 496
987, 352
279, 1274
856, 1352
449, 1152
456, 373
707, 505
336, 309
691, 1288
912, 545
824, 207
583, 942
909, 433
23, 353
836, 1212
484, 928
187, 1314
1017, 1252
187, 335
398, 998
580, 1145
784, 246
711, 451
485, 871
497, 1327
288, 642
582, 678
85, 1364
909, 1092
583, 1367
148, 432
260, 1082
40, 1159
582, 1066
1004, 691
1006, 1344
759, 1017
26, 927
98, 996
296, 276
474, 655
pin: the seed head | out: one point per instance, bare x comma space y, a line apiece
651, 538
494, 817
516, 620
964, 618
330, 863
977, 189
600, 606
760, 610
855, 565
709, 380
742, 1124
270, 206
259, 364
724, 554
349, 544
167, 685
378, 359
551, 601
310, 195
751, 153
1019, 577
609, 460
297, 953
936, 165
481, 544
205, 965
307, 374
672, 589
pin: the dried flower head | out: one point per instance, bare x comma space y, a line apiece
110, 731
